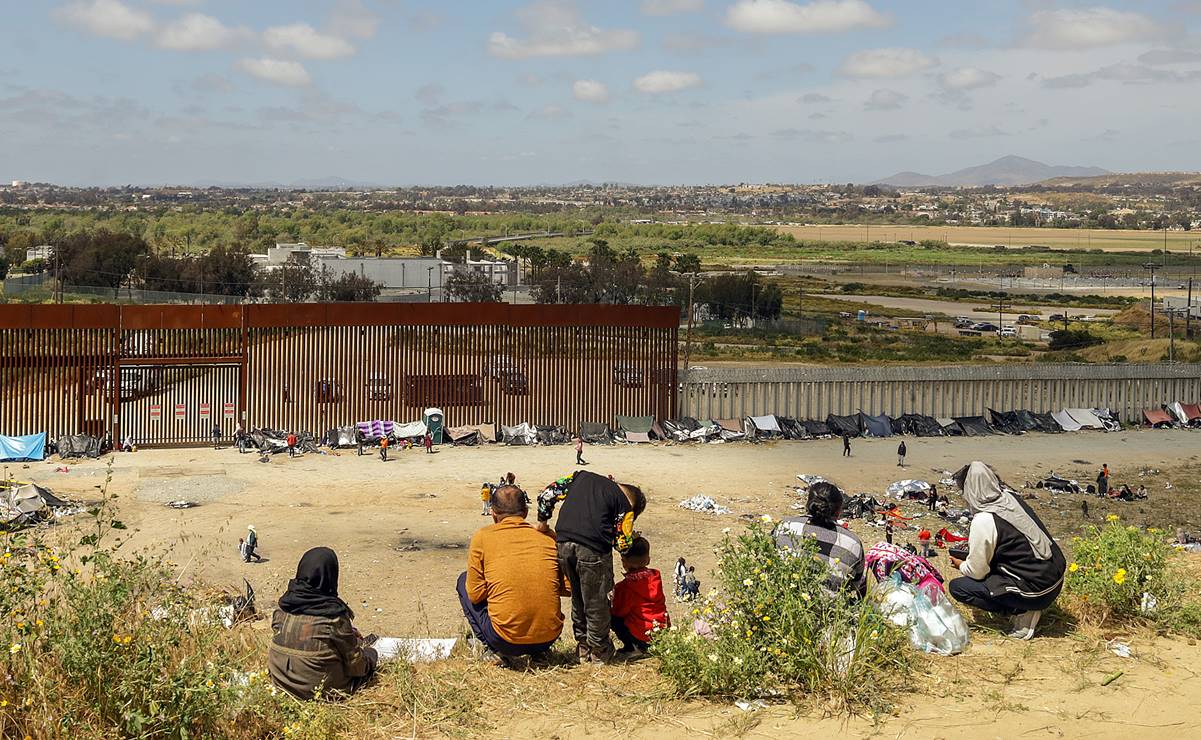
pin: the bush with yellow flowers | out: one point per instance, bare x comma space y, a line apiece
1122, 573
771, 628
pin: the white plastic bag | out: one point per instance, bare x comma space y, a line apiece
934, 625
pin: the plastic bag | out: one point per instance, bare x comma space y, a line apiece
934, 624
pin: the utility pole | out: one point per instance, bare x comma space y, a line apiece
688, 340
1188, 311
429, 282
1151, 267
1001, 306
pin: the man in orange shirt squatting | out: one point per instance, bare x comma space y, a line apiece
510, 592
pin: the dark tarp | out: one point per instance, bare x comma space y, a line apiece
817, 428
28, 448
1057, 484
973, 426
1005, 421
675, 429
1109, 419
792, 428
78, 445
1026, 420
22, 505
596, 434
640, 424
840, 425
553, 435
1157, 418
271, 441
342, 437
917, 425
1046, 423
877, 426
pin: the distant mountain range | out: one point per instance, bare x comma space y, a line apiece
1009, 170
320, 183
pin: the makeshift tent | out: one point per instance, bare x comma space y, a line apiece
522, 434
1005, 421
552, 435
596, 434
973, 426
1109, 420
840, 425
1177, 412
29, 448
342, 437
1086, 419
950, 427
817, 428
78, 445
792, 428
373, 431
632, 437
680, 429
917, 425
1065, 421
1058, 484
1157, 418
471, 434
23, 504
271, 441
876, 426
640, 424
1193, 412
1045, 422
730, 430
764, 427
412, 430
1026, 420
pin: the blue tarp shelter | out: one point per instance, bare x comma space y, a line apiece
29, 448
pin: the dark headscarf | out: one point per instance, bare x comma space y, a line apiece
314, 590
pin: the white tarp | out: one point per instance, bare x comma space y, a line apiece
765, 423
412, 429
414, 650
1065, 420
1086, 419
1178, 411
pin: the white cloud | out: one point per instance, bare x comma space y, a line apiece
886, 63
196, 32
276, 71
664, 81
1170, 56
305, 41
590, 91
819, 16
671, 7
554, 29
111, 18
885, 100
968, 78
1085, 28
350, 18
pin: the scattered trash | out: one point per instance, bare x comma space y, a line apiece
703, 504
62, 469
751, 706
1112, 677
908, 489
1120, 649
809, 480
1149, 603
181, 504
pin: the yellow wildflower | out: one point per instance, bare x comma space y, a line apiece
1112, 518
14, 648
127, 639
805, 595
1120, 576
1073, 567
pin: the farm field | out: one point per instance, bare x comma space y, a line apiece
987, 236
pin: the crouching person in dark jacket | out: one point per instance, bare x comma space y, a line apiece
315, 648
1013, 566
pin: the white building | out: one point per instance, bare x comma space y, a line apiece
501, 272
282, 252
41, 252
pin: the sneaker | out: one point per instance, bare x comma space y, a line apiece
495, 659
1022, 625
544, 659
583, 653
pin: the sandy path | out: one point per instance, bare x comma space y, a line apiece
366, 509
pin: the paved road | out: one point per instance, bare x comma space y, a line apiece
966, 308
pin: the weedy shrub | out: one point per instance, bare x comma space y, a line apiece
769, 629
1124, 573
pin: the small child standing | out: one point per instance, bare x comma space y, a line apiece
639, 605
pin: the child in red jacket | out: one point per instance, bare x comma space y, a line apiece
639, 605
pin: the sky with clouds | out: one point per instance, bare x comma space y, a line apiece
401, 92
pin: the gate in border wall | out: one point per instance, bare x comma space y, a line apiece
164, 375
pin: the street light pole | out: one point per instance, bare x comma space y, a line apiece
1151, 267
429, 283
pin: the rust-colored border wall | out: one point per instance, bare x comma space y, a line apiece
164, 375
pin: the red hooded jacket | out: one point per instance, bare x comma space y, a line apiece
638, 600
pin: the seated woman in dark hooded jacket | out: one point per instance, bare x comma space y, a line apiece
1013, 566
315, 648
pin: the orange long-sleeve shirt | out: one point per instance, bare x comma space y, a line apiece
515, 568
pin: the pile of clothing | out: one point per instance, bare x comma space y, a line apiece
917, 490
703, 504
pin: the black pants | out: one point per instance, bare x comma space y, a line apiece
975, 593
291, 451
627, 638
846, 451
579, 457
383, 454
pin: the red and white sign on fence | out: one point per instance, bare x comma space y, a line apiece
205, 410
229, 410
156, 412
181, 412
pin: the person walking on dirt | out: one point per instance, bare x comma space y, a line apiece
846, 445
216, 436
383, 449
429, 443
1103, 480
579, 451
292, 444
901, 454
250, 546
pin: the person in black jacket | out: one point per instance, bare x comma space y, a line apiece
901, 454
1013, 567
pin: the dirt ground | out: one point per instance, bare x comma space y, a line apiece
401, 528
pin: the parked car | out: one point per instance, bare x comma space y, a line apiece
963, 322
985, 326
1008, 331
1027, 319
